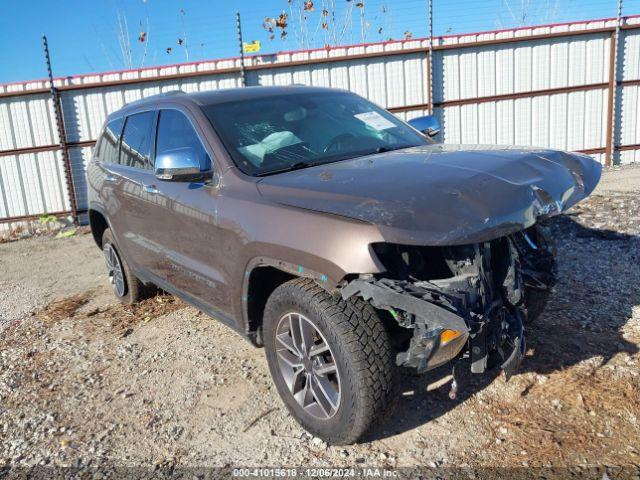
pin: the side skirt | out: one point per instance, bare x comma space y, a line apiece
194, 302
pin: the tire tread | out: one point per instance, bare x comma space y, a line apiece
365, 341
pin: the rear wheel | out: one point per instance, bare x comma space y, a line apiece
331, 360
126, 286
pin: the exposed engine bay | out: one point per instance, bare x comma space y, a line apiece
477, 296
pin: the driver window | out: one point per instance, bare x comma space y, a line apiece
175, 132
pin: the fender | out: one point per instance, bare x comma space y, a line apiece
298, 270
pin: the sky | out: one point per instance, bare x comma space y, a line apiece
103, 35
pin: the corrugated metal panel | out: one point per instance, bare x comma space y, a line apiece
390, 82
32, 183
629, 98
26, 122
570, 121
631, 64
524, 67
80, 157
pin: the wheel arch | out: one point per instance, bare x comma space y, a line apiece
98, 223
262, 276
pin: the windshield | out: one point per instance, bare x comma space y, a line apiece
284, 132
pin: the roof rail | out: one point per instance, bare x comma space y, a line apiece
158, 95
170, 92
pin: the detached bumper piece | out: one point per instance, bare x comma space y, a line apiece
429, 312
477, 311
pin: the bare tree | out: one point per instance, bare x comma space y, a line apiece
528, 12
315, 23
124, 41
144, 38
130, 51
363, 31
184, 41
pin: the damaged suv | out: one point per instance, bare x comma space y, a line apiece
342, 239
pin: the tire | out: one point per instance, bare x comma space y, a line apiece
131, 290
358, 346
535, 301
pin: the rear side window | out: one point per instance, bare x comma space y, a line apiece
175, 131
135, 148
108, 147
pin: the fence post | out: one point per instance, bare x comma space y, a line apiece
613, 87
239, 29
430, 59
57, 107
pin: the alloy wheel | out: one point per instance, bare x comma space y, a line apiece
308, 366
114, 269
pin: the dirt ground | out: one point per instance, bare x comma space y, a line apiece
88, 383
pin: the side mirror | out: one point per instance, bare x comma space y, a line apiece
428, 125
179, 165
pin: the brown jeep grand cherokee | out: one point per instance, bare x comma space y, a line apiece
322, 227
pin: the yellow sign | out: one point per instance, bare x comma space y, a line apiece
252, 47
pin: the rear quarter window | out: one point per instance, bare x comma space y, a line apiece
107, 150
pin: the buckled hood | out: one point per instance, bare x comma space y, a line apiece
442, 194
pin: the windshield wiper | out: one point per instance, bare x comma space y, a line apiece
295, 166
386, 148
300, 165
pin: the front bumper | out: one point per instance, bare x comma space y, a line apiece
477, 312
414, 307
432, 314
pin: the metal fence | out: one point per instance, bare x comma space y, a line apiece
567, 86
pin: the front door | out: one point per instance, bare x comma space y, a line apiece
188, 231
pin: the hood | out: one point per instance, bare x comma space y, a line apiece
441, 194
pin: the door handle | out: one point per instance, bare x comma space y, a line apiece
150, 189
110, 178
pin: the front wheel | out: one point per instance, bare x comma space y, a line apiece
331, 360
543, 261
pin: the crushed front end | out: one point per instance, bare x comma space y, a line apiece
462, 301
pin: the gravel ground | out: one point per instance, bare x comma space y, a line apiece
88, 383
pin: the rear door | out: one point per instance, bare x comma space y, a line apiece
105, 176
132, 176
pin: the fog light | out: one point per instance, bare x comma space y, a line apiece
447, 335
